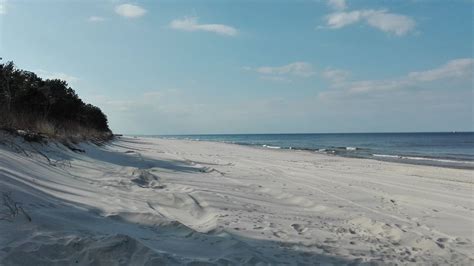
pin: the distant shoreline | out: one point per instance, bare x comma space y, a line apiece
309, 133
350, 151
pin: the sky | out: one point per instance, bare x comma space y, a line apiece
261, 66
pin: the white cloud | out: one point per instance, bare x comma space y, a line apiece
457, 70
3, 7
57, 75
380, 19
301, 69
337, 4
335, 75
96, 19
391, 23
367, 86
130, 11
341, 19
191, 24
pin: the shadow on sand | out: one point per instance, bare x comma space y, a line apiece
65, 232
135, 159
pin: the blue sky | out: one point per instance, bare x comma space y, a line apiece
182, 67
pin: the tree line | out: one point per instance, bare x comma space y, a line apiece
29, 102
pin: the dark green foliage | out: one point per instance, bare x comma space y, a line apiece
25, 96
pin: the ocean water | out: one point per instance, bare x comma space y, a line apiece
442, 149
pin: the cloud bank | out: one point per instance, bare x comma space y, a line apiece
457, 70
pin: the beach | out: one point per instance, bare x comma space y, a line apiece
148, 201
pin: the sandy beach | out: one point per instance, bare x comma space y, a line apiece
150, 201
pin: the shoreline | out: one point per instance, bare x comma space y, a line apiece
401, 159
176, 201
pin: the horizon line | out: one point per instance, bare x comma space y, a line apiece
299, 133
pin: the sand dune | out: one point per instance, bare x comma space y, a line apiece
146, 201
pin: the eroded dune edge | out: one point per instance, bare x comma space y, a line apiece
154, 201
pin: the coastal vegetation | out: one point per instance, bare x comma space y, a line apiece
46, 108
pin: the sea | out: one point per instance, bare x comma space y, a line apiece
449, 149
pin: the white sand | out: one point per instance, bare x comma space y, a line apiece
153, 201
